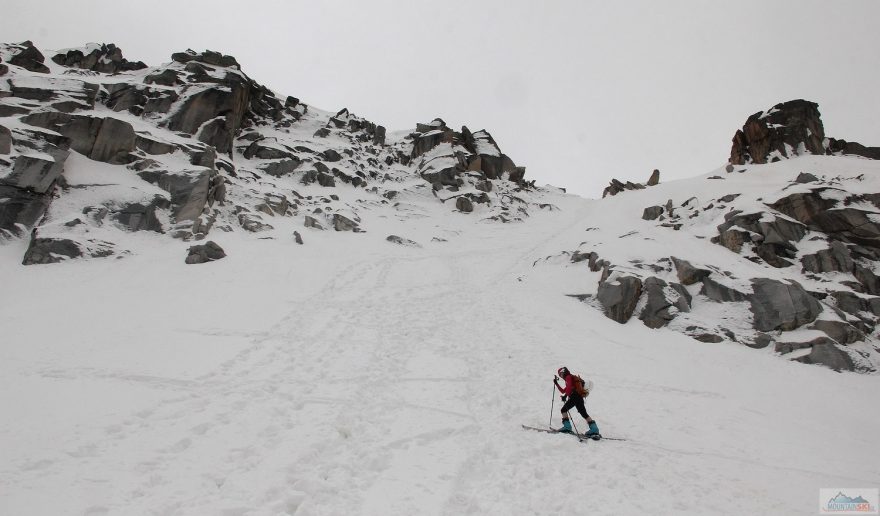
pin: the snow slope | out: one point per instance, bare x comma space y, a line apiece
351, 375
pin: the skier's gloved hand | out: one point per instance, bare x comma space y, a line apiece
564, 397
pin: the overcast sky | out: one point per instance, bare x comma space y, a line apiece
577, 91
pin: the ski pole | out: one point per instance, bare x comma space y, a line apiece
552, 401
572, 423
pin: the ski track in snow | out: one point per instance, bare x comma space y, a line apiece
399, 387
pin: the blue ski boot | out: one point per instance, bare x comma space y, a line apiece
593, 432
566, 426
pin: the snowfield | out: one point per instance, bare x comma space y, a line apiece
354, 376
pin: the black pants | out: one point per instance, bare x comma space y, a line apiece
575, 401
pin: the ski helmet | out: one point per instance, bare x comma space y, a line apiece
562, 371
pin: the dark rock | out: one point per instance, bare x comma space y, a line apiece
782, 306
619, 297
654, 179
322, 133
261, 149
834, 259
785, 348
805, 177
817, 214
733, 239
50, 250
153, 147
836, 146
483, 186
708, 337
104, 59
20, 209
341, 223
108, 140
721, 293
208, 252
424, 141
762, 340
830, 355
663, 303
687, 273
785, 127
841, 332
208, 57
775, 254
464, 205
28, 57
402, 241
854, 304
331, 155
310, 222
867, 279
218, 133
652, 212
253, 223
5, 140
379, 136
617, 187
188, 189
167, 77
281, 167
297, 237
230, 103
139, 217
36, 172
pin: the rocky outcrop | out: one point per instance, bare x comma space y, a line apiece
786, 130
104, 58
463, 155
27, 56
617, 186
823, 214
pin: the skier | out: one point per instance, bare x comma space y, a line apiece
574, 399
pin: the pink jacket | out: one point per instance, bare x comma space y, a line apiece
569, 385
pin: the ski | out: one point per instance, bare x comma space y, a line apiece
580, 437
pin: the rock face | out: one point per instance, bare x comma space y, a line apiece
780, 306
102, 139
789, 129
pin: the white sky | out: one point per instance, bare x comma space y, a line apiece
576, 91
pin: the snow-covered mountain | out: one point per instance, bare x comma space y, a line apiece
382, 309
